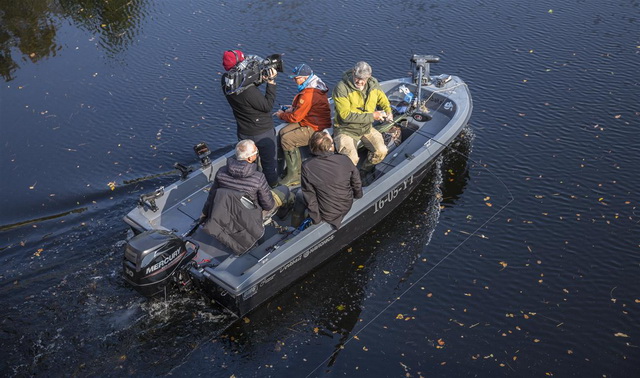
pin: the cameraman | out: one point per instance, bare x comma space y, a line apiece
252, 111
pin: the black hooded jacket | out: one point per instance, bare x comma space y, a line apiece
227, 216
252, 109
330, 182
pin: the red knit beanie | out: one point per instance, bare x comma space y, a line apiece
230, 58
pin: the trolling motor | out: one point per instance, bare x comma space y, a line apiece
420, 64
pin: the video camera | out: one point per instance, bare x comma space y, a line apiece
251, 71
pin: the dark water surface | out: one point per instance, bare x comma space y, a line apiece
522, 259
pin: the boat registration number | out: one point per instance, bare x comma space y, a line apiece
393, 194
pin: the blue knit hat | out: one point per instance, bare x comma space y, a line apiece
301, 69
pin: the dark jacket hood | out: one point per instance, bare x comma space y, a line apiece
240, 168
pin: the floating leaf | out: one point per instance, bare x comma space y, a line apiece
385, 272
620, 334
340, 307
246, 320
399, 316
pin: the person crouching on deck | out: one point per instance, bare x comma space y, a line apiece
330, 182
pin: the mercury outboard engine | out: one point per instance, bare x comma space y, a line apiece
154, 261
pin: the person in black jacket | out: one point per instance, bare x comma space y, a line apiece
252, 111
330, 182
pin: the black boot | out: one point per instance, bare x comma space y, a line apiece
367, 172
294, 163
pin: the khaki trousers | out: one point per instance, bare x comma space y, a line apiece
373, 141
295, 135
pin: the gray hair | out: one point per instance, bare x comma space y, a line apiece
245, 149
362, 70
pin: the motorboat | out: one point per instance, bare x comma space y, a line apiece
168, 250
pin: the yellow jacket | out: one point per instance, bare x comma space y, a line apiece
354, 108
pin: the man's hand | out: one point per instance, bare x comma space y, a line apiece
271, 75
378, 115
389, 117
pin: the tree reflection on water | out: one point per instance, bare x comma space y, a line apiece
28, 28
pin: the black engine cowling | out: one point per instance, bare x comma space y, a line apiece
154, 260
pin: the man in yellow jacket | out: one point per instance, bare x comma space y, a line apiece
359, 100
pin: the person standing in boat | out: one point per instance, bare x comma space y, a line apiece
252, 111
309, 112
236, 221
329, 184
357, 97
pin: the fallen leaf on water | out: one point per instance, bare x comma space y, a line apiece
618, 116
340, 307
550, 11
316, 330
112, 185
620, 334
440, 342
246, 320
504, 264
385, 272
399, 316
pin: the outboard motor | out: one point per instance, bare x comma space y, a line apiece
154, 261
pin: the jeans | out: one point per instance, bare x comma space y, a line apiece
268, 152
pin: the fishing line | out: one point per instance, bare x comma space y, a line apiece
397, 298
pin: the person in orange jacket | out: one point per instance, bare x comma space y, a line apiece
309, 112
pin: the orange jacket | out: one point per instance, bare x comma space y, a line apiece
310, 108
